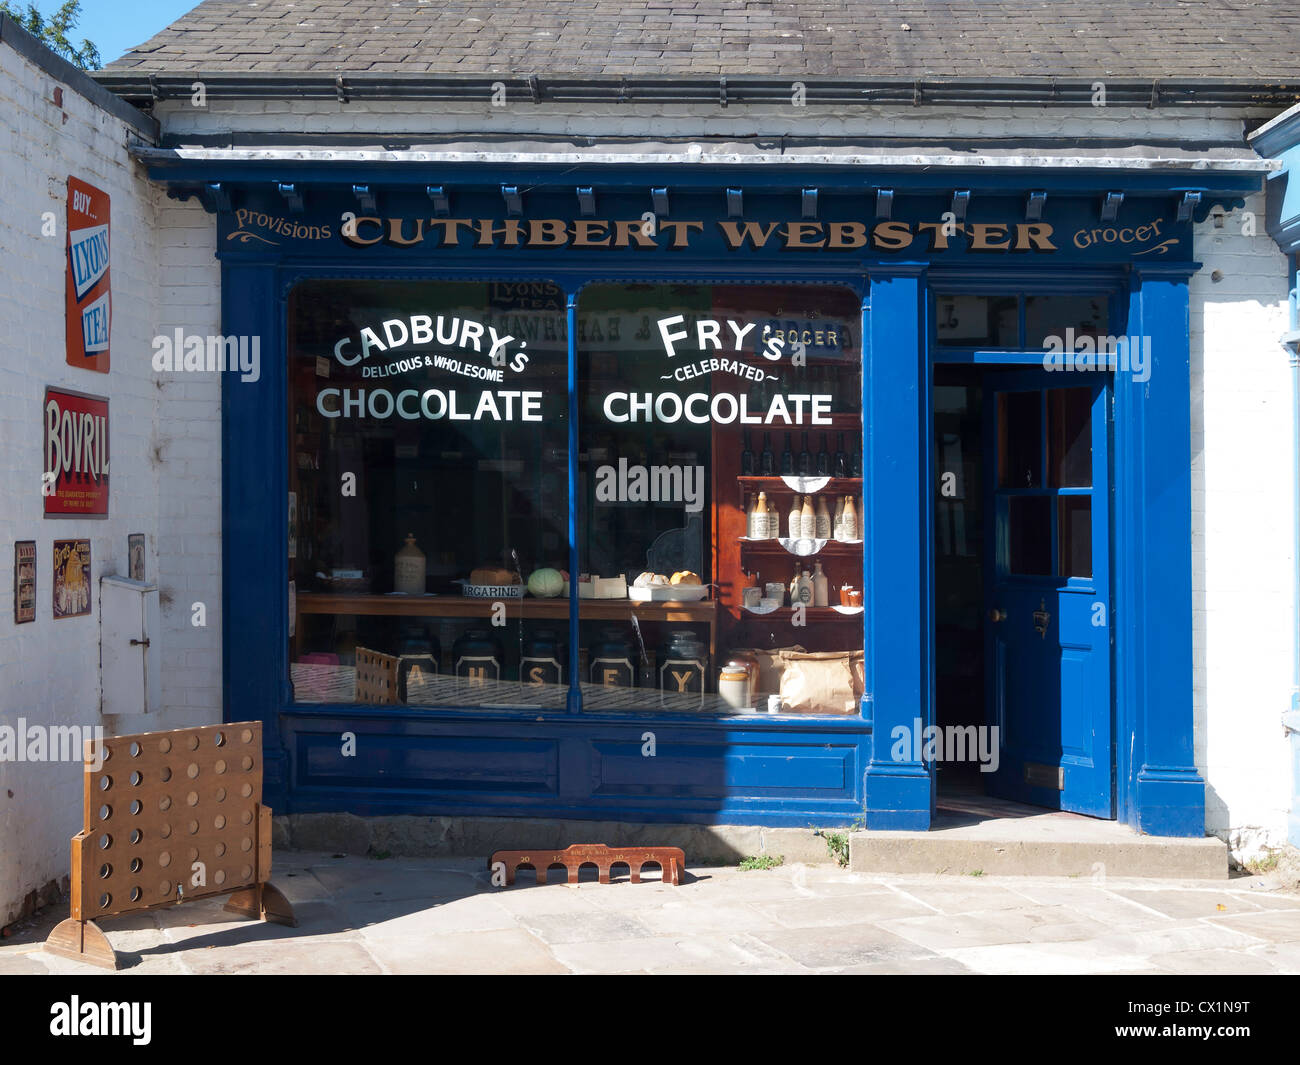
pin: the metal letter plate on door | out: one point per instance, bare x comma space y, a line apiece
1038, 775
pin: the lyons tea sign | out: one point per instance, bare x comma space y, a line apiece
88, 300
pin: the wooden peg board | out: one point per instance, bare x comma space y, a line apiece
170, 816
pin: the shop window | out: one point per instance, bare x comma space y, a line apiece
720, 530
428, 493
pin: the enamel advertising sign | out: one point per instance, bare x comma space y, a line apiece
88, 299
74, 432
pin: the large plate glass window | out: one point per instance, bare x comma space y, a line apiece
720, 514
428, 430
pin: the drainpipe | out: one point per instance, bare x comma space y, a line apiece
1291, 719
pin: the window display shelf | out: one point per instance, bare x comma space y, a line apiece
455, 606
830, 548
811, 613
833, 486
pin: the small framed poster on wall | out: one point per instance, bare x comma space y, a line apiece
24, 581
135, 556
72, 588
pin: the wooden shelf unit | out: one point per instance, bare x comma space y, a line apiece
455, 606
734, 555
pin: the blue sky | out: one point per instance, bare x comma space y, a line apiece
115, 26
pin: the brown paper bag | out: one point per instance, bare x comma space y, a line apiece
770, 667
826, 682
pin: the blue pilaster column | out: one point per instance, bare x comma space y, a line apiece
1158, 788
254, 505
896, 501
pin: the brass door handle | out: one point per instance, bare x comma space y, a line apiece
996, 615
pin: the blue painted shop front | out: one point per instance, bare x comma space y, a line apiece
901, 243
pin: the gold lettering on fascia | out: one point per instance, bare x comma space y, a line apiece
676, 234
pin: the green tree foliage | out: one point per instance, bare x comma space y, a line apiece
52, 31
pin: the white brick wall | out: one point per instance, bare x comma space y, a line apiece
1243, 490
49, 671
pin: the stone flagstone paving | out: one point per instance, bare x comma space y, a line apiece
361, 915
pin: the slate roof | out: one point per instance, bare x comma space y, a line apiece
1134, 39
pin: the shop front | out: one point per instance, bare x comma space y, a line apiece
710, 494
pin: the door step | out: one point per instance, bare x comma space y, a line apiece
1047, 843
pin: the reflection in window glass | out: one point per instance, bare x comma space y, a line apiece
1065, 317
1069, 419
1074, 531
427, 492
720, 533
977, 321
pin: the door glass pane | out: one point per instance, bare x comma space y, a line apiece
1074, 529
1020, 442
977, 321
1069, 420
1030, 533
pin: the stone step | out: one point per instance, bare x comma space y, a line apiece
1001, 848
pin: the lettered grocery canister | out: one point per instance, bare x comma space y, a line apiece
683, 662
419, 661
478, 656
611, 660
541, 662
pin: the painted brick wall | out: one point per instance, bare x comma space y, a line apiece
1243, 493
162, 272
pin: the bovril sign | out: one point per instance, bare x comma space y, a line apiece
74, 431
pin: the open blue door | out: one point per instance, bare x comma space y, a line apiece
1047, 589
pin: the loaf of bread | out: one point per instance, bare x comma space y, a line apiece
492, 575
650, 580
686, 576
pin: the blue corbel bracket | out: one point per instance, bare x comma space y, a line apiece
292, 195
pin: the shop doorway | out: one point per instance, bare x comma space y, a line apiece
1022, 588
